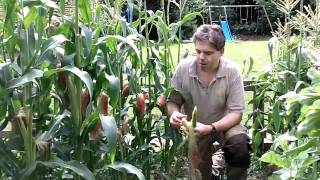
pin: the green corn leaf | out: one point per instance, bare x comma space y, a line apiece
49, 44
30, 18
273, 158
54, 126
28, 77
74, 166
83, 75
85, 11
128, 40
109, 127
113, 89
126, 168
311, 143
276, 118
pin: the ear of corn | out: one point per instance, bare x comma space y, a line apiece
193, 151
125, 89
161, 100
141, 105
85, 99
104, 102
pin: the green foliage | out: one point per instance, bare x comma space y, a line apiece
290, 89
48, 59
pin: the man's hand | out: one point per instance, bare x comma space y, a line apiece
176, 119
202, 129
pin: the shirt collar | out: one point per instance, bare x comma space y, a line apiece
222, 70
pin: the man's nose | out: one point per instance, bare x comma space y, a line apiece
201, 56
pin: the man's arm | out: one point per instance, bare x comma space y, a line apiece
172, 107
227, 122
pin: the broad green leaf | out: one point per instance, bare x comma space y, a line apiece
46, 136
273, 158
74, 166
190, 16
51, 43
310, 124
85, 11
258, 139
306, 163
276, 118
126, 168
86, 40
113, 89
30, 18
30, 76
311, 143
50, 72
129, 40
89, 123
83, 75
109, 127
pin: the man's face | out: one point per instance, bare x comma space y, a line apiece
207, 56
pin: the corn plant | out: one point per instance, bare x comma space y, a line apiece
286, 71
74, 88
295, 149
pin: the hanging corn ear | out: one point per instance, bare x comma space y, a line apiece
141, 105
85, 99
104, 102
125, 89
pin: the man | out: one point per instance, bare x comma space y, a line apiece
216, 87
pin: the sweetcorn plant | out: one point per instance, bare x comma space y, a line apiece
295, 151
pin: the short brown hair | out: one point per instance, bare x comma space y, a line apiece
213, 33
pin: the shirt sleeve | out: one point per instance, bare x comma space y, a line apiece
235, 99
176, 83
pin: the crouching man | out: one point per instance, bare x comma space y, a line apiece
216, 87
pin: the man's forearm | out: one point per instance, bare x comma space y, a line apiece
171, 107
228, 122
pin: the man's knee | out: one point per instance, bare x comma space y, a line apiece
237, 151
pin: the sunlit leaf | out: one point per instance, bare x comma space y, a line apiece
85, 11
126, 168
273, 158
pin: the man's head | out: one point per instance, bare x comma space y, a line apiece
209, 44
212, 33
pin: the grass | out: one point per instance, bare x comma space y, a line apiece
237, 52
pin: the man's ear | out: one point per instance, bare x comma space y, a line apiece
222, 51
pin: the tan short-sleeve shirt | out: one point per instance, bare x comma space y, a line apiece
224, 95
